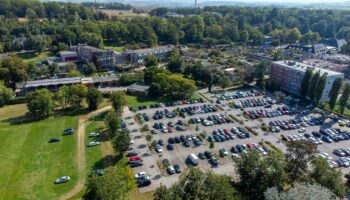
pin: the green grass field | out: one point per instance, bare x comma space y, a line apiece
29, 164
133, 101
115, 48
34, 57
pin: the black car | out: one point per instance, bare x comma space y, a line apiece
136, 163
207, 154
68, 131
142, 182
177, 168
316, 134
160, 142
99, 172
234, 150
186, 144
171, 140
213, 161
170, 147
177, 139
202, 156
131, 153
52, 140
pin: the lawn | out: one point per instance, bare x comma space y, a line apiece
133, 101
29, 164
13, 111
115, 48
34, 57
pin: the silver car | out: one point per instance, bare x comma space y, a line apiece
62, 179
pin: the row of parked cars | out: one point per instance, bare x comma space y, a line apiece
197, 109
159, 114
240, 94
167, 128
334, 135
278, 125
210, 120
226, 134
266, 102
269, 112
244, 148
342, 161
186, 141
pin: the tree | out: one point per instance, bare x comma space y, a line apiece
155, 90
112, 121
244, 35
280, 96
175, 62
207, 77
219, 187
114, 184
302, 191
334, 92
118, 101
305, 83
162, 193
62, 96
260, 71
74, 73
89, 69
93, 98
327, 177
40, 102
6, 94
257, 175
13, 70
299, 154
121, 141
71, 66
344, 98
54, 69
77, 93
151, 61
224, 82
150, 72
320, 87
312, 86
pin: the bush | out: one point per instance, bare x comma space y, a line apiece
211, 145
153, 144
145, 128
251, 130
149, 137
166, 163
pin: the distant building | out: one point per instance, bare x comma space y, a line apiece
103, 59
289, 75
139, 55
316, 50
67, 56
138, 89
173, 14
332, 42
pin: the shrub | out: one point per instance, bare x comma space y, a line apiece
251, 130
149, 137
211, 145
145, 128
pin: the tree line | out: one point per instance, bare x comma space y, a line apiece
55, 25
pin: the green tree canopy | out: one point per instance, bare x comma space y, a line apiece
40, 102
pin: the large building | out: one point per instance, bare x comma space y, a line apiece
315, 50
139, 55
289, 75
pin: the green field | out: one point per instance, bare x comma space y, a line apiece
133, 101
29, 164
115, 48
34, 57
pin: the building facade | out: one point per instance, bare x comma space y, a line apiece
138, 56
289, 75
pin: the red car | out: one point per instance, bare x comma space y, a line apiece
226, 130
170, 130
133, 158
250, 146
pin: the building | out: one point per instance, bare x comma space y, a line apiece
56, 83
316, 50
289, 75
103, 59
67, 56
138, 56
332, 42
138, 89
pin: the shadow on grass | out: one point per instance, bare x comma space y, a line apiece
108, 161
99, 117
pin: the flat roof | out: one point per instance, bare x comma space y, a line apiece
302, 67
158, 48
56, 81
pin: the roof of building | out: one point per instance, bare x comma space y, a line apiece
334, 42
302, 67
65, 53
307, 48
147, 50
99, 79
138, 87
56, 81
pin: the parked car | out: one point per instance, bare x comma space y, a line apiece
68, 131
93, 143
62, 179
177, 168
131, 153
94, 135
52, 140
99, 172
159, 149
171, 170
213, 161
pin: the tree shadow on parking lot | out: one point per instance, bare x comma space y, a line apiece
108, 160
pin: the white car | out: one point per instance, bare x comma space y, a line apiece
302, 130
140, 175
234, 155
62, 179
224, 152
159, 149
93, 143
95, 134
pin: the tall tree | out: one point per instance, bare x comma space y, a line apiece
313, 86
151, 61
343, 100
118, 101
334, 92
93, 98
40, 102
116, 183
6, 94
175, 62
13, 70
305, 83
260, 72
328, 177
121, 141
112, 122
321, 83
299, 154
77, 94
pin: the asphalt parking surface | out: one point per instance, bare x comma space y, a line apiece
226, 165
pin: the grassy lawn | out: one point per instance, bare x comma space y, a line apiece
34, 57
29, 164
13, 111
115, 48
133, 101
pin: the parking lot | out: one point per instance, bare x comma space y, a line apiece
194, 124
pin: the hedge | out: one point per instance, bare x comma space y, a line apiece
250, 129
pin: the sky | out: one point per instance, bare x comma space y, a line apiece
283, 1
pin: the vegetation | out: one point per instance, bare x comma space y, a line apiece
334, 92
344, 98
118, 101
305, 83
40, 102
93, 98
